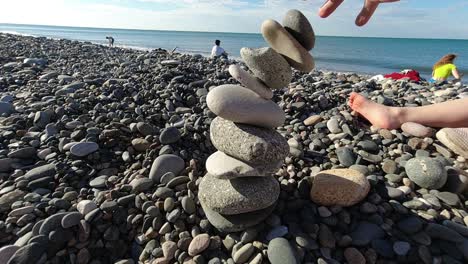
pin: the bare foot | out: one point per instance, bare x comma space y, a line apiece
379, 115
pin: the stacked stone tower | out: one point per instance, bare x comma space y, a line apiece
239, 190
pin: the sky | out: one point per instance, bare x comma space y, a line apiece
407, 18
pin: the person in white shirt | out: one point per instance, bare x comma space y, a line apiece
217, 51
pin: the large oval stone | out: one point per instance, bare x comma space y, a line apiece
342, 187
241, 105
224, 166
286, 45
258, 146
238, 196
235, 223
299, 27
250, 82
426, 172
268, 65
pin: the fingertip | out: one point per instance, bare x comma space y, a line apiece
323, 13
361, 21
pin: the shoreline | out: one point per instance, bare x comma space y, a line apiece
144, 49
103, 150
362, 69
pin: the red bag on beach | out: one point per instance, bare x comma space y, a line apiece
412, 75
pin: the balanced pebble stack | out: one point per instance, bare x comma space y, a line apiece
239, 190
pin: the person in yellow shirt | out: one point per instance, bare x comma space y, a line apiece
444, 68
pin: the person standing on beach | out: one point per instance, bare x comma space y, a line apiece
217, 51
111, 41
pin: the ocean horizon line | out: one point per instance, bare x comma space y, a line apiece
219, 32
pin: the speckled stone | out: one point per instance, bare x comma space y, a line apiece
269, 66
342, 187
238, 196
260, 147
241, 105
285, 44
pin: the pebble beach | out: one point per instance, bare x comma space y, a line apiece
103, 152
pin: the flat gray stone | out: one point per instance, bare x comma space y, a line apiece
241, 105
23, 153
30, 253
98, 182
226, 167
178, 181
7, 252
236, 223
164, 164
257, 146
86, 206
281, 252
250, 82
269, 66
23, 240
141, 184
6, 200
242, 255
40, 172
22, 211
51, 223
71, 219
299, 27
238, 196
83, 149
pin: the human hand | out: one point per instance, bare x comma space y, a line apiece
367, 11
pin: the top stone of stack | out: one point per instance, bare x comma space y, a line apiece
293, 40
285, 44
299, 27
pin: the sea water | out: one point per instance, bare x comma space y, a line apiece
348, 54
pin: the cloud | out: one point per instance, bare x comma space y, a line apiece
401, 19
